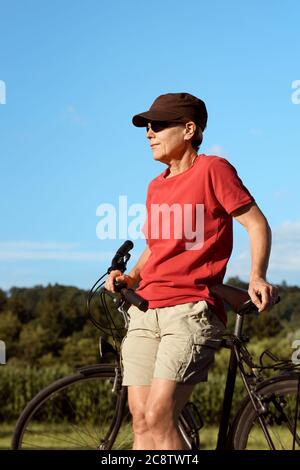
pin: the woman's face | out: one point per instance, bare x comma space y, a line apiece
167, 141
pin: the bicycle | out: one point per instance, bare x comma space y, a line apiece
88, 410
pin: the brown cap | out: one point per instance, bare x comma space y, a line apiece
174, 107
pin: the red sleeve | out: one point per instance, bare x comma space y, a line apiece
228, 187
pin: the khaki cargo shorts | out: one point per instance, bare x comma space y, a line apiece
175, 343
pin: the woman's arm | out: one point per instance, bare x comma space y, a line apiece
261, 292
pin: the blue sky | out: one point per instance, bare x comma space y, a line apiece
76, 71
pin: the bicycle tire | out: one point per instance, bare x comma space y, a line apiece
79, 411
246, 433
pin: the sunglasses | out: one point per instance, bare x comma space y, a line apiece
157, 126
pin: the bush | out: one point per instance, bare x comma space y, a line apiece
20, 385
80, 351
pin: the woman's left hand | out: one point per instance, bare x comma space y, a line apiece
262, 294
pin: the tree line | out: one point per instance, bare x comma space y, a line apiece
47, 325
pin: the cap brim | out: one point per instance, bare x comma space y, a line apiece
142, 119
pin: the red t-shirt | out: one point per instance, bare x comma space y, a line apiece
189, 232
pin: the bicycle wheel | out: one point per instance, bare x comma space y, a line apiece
77, 412
280, 396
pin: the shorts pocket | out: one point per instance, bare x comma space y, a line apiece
200, 360
205, 326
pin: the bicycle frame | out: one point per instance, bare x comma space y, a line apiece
229, 387
235, 361
237, 357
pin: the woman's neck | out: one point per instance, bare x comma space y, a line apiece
177, 166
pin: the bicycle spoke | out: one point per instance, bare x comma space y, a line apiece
56, 437
80, 431
78, 415
281, 401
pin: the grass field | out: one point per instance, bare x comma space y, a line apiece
208, 437
61, 439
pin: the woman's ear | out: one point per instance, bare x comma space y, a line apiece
190, 129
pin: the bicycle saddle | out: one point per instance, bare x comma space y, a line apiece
238, 299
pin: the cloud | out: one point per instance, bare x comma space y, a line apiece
70, 114
26, 250
28, 245
239, 265
287, 232
283, 195
286, 247
216, 150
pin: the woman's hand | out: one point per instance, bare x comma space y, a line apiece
116, 275
262, 294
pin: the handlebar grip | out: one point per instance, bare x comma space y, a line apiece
131, 296
135, 299
125, 248
121, 257
249, 307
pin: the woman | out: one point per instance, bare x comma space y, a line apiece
190, 207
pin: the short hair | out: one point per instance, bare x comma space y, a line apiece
197, 138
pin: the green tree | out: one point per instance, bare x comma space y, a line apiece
80, 351
266, 325
36, 341
288, 305
62, 310
3, 300
10, 327
23, 302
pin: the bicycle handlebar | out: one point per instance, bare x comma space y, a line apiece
121, 257
119, 262
249, 307
131, 296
